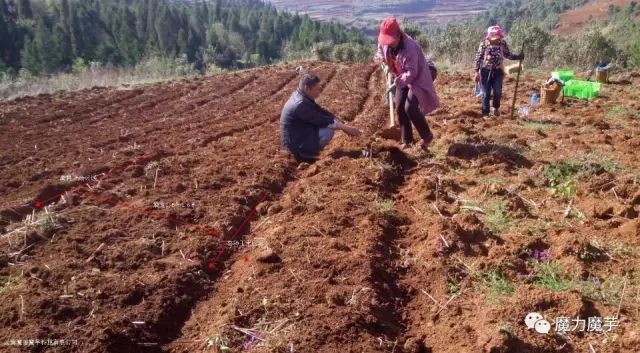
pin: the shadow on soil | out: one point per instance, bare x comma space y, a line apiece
501, 153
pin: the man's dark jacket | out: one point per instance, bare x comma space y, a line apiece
300, 122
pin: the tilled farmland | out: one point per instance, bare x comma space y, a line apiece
166, 218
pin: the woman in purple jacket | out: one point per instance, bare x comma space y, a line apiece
414, 74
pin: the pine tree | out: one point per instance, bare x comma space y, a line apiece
77, 40
141, 8
182, 42
167, 29
30, 59
24, 9
64, 28
127, 41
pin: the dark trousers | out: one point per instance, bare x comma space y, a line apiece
408, 111
491, 81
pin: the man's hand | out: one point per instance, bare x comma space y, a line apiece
351, 131
477, 76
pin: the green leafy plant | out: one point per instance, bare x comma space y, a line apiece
566, 190
6, 283
560, 178
497, 285
551, 276
608, 292
498, 218
453, 288
387, 206
47, 222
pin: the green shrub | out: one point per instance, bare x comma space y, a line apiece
79, 65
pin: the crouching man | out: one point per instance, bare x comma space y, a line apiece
305, 127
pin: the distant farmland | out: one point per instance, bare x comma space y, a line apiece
362, 13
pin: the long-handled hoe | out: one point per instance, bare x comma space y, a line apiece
392, 132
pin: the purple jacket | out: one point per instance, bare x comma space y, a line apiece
415, 73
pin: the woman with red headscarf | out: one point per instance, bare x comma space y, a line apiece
490, 68
414, 74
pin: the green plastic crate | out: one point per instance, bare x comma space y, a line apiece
563, 75
581, 89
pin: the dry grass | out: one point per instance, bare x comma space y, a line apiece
149, 71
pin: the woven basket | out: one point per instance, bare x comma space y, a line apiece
602, 76
550, 93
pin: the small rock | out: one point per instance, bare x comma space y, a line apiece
180, 187
262, 208
335, 298
338, 245
414, 345
629, 212
275, 208
268, 255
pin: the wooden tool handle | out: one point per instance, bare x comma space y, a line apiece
392, 111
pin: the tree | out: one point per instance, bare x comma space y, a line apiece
30, 58
24, 9
51, 35
167, 30
127, 40
141, 9
634, 56
77, 40
182, 42
535, 41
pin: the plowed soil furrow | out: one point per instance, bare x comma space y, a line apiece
104, 150
65, 105
122, 200
198, 330
245, 120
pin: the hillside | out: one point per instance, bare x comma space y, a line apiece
165, 218
365, 13
42, 37
573, 21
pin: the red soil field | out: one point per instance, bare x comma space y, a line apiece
396, 252
574, 20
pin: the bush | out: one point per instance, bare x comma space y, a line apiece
584, 50
79, 65
456, 44
634, 55
535, 39
323, 50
